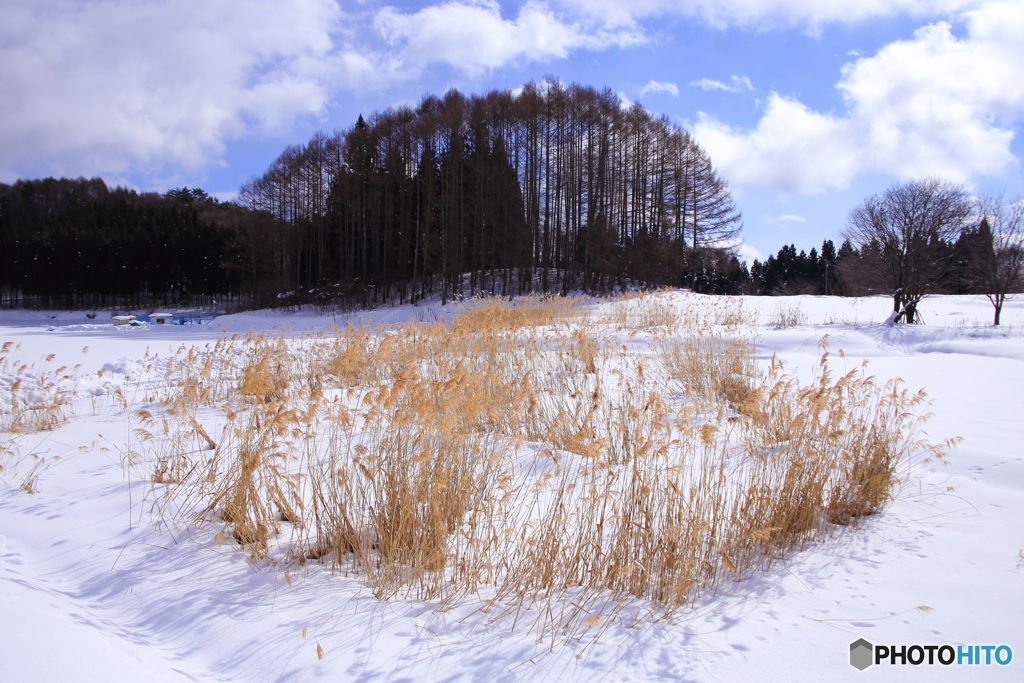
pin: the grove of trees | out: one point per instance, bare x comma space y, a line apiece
550, 188
903, 236
789, 273
991, 258
914, 239
931, 236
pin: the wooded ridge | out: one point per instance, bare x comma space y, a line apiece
550, 187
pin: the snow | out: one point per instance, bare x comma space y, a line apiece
91, 589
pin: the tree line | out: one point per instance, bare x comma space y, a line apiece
550, 188
911, 240
79, 244
931, 236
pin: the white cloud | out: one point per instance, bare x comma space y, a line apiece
105, 86
737, 84
792, 148
936, 105
746, 252
149, 88
789, 218
930, 105
764, 14
473, 37
660, 86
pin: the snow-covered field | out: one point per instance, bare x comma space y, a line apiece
91, 589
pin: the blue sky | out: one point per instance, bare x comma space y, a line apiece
805, 106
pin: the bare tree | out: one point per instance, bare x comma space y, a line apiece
905, 236
996, 261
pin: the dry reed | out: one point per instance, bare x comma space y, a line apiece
31, 400
528, 450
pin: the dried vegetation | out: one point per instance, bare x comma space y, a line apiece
551, 459
31, 400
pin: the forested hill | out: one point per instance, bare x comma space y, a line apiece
547, 188
550, 187
79, 244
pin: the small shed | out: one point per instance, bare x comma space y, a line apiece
161, 319
124, 320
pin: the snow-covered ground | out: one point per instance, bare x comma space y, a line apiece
91, 590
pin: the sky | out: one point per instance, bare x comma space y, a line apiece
806, 107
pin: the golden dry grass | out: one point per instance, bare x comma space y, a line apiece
31, 400
531, 450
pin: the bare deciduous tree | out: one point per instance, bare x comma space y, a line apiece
905, 236
997, 259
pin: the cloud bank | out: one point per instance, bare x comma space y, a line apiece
930, 105
763, 14
108, 85
473, 37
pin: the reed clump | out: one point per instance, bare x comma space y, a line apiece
31, 399
787, 316
534, 450
491, 314
711, 367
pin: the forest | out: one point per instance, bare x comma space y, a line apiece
77, 244
549, 188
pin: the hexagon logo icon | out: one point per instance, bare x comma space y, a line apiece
861, 654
